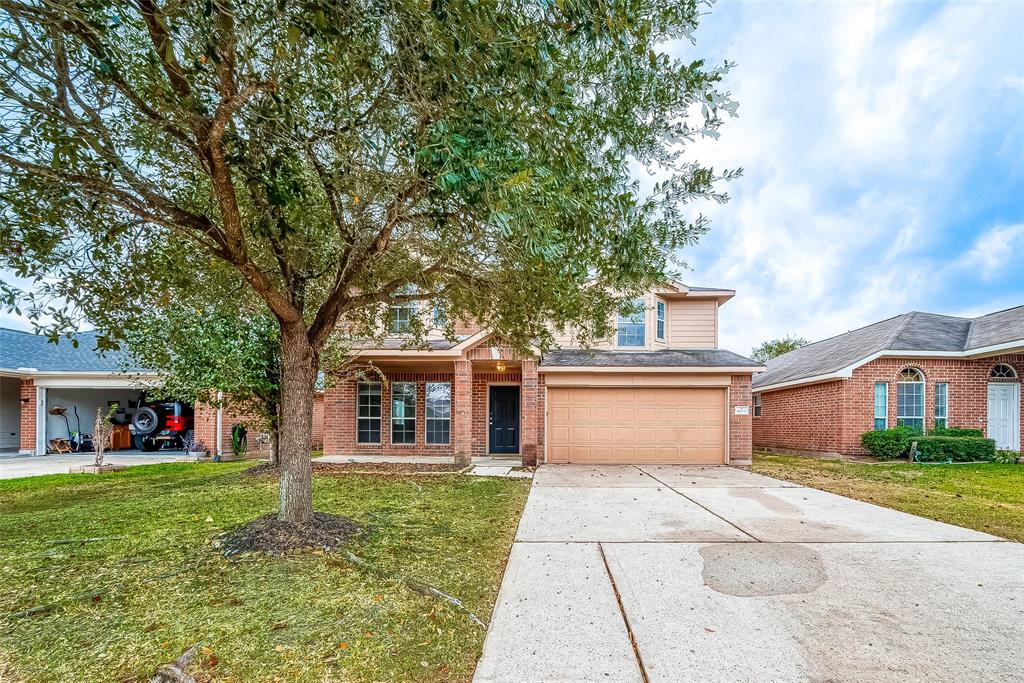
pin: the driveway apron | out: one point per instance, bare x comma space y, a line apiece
662, 573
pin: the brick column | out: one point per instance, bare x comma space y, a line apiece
28, 418
530, 418
740, 447
462, 411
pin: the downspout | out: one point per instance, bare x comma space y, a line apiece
220, 423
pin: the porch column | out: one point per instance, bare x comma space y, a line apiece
530, 417
462, 412
27, 433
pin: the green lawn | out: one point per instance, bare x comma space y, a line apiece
309, 617
987, 497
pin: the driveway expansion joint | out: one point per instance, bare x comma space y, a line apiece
724, 519
625, 618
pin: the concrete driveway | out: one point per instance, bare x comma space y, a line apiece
717, 574
17, 466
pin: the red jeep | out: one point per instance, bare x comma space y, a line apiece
162, 424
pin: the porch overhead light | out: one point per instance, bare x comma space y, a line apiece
500, 366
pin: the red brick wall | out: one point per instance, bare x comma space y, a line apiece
28, 416
830, 417
740, 449
801, 419
340, 418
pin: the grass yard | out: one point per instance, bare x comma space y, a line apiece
987, 497
154, 585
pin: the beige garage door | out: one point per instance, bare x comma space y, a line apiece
606, 425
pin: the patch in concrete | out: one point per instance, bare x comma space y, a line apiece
747, 570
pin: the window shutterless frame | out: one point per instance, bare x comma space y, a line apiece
439, 412
368, 412
403, 413
941, 404
631, 328
881, 406
757, 405
910, 399
660, 307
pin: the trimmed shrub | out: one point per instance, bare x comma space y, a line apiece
955, 431
887, 444
1006, 457
956, 448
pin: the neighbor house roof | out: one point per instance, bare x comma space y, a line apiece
665, 358
925, 334
28, 353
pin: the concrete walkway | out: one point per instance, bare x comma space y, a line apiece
717, 574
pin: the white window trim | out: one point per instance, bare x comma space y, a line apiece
935, 404
414, 310
757, 405
379, 418
885, 405
660, 320
427, 419
643, 321
393, 419
924, 402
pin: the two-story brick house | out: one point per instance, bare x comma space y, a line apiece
659, 391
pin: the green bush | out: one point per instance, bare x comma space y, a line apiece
887, 444
956, 448
1006, 457
955, 431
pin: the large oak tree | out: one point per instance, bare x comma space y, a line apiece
345, 155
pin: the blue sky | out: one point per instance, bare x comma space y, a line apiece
883, 148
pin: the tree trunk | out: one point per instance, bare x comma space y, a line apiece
298, 377
275, 437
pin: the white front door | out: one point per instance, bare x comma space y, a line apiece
1004, 415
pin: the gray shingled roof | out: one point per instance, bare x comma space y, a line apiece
665, 358
914, 331
27, 350
395, 344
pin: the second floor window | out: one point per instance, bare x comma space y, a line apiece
661, 320
400, 317
631, 326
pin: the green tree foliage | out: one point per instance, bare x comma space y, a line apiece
339, 157
776, 347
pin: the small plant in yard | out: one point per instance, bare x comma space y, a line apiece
239, 440
101, 431
193, 445
887, 444
1006, 457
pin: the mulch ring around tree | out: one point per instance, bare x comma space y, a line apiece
329, 469
268, 534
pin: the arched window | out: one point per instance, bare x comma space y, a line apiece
910, 398
1003, 371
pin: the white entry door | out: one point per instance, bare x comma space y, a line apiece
1004, 415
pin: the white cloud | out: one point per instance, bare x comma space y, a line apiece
995, 251
876, 139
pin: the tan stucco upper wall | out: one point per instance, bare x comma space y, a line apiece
690, 323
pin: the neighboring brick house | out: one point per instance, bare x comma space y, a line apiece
36, 375
659, 391
920, 369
